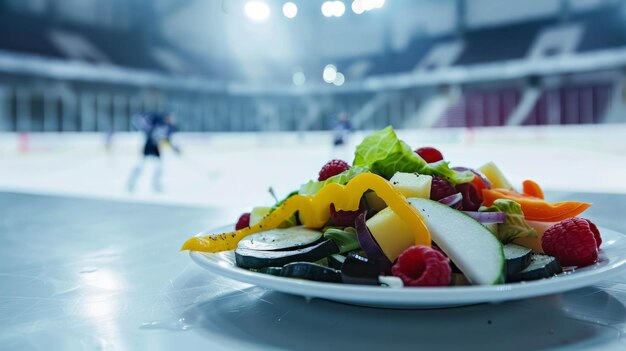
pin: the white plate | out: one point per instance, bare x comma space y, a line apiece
612, 259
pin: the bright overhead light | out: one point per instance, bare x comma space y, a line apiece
338, 8
328, 8
330, 73
339, 79
357, 7
290, 10
298, 78
257, 11
368, 5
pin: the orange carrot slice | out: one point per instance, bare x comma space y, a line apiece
535, 208
532, 188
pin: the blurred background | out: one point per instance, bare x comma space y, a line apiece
257, 87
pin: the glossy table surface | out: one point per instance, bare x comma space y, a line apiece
79, 274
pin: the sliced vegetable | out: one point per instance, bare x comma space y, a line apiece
370, 246
311, 271
471, 246
346, 239
517, 258
515, 225
531, 188
486, 217
336, 261
270, 270
383, 153
246, 258
537, 209
453, 200
281, 239
541, 266
315, 212
357, 269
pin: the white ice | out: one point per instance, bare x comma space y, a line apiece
235, 170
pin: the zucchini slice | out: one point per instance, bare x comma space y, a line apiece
311, 271
357, 269
246, 258
541, 266
336, 261
270, 270
291, 238
517, 258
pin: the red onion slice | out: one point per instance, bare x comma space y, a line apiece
369, 244
453, 200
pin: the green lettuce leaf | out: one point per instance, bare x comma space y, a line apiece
442, 169
312, 187
515, 225
345, 239
384, 154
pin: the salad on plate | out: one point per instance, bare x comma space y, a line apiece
403, 218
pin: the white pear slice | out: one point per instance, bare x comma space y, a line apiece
470, 245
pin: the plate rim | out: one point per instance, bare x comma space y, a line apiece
423, 296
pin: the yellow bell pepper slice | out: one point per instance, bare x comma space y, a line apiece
315, 212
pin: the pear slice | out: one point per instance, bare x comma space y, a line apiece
471, 246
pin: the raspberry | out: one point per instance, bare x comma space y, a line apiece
422, 266
332, 168
596, 232
572, 241
440, 188
429, 154
244, 221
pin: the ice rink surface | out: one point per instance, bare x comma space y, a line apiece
235, 170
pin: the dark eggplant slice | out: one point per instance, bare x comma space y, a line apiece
246, 258
357, 269
541, 266
517, 258
336, 261
270, 270
291, 238
311, 271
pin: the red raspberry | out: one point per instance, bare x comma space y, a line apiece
572, 241
596, 232
332, 168
244, 221
422, 266
440, 188
429, 154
